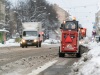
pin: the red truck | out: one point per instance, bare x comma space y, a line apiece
71, 33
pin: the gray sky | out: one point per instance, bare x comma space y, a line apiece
83, 10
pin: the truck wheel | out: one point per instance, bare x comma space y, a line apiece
26, 46
40, 45
22, 46
78, 55
37, 45
61, 54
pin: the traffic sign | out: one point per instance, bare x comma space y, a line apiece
94, 27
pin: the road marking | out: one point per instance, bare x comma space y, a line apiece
42, 68
62, 63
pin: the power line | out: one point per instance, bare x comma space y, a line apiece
82, 12
74, 7
85, 6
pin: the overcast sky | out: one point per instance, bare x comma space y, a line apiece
83, 10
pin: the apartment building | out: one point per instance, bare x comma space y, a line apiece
2, 13
62, 14
97, 22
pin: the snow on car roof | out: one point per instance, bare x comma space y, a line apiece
30, 30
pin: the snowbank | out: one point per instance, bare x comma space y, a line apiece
10, 42
51, 41
89, 63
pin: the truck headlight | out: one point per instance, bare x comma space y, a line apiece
35, 40
23, 41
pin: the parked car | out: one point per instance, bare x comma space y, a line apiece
97, 38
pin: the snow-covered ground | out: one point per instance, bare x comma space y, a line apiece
89, 64
12, 42
32, 62
51, 41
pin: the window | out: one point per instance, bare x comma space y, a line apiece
70, 25
30, 33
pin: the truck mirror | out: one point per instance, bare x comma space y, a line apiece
42, 34
24, 33
61, 26
39, 35
20, 36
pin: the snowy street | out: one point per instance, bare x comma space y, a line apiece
37, 61
49, 37
19, 61
15, 60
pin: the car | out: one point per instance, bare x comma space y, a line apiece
97, 38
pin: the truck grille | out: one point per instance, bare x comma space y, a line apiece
30, 41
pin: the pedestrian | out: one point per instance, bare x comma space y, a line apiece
94, 33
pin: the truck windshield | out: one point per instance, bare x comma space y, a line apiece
70, 25
30, 33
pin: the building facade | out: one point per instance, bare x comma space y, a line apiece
62, 14
97, 23
2, 13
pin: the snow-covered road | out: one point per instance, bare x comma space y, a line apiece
88, 64
19, 61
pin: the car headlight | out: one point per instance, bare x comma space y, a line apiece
35, 40
23, 41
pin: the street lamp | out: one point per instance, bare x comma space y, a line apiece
46, 28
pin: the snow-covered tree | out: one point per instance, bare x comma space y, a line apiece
38, 11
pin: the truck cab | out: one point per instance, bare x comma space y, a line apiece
31, 35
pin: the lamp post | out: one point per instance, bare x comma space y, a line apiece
18, 22
46, 23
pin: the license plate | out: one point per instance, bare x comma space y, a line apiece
69, 47
29, 43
